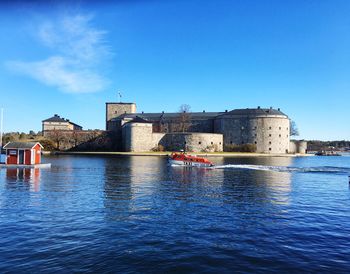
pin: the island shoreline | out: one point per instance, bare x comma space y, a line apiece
166, 153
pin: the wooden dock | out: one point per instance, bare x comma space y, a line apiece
48, 165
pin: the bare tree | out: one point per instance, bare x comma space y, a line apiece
76, 136
57, 136
293, 130
184, 118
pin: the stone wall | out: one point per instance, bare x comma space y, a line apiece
298, 146
156, 139
137, 137
269, 133
114, 110
197, 142
193, 125
70, 139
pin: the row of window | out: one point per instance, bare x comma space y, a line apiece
199, 143
270, 135
280, 128
255, 142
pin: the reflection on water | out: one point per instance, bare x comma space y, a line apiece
30, 176
137, 214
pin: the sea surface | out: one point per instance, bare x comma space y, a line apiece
136, 214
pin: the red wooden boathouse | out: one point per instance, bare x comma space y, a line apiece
23, 153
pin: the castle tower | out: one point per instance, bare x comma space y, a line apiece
114, 110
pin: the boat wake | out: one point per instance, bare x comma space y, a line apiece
320, 169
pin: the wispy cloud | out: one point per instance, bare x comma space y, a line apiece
78, 51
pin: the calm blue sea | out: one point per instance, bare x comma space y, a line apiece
137, 214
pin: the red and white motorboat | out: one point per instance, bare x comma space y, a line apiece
183, 159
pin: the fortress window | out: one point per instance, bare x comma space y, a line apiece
199, 143
115, 112
269, 135
184, 143
211, 142
280, 128
270, 128
255, 142
269, 148
287, 128
279, 135
254, 127
255, 135
219, 143
269, 143
231, 142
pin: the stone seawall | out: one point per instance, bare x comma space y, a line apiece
198, 142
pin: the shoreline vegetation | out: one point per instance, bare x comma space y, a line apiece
97, 142
165, 153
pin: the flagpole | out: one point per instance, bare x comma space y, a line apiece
120, 97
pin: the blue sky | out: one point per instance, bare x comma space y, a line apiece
70, 58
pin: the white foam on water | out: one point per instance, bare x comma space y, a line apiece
320, 169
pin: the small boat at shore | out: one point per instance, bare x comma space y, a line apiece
183, 159
327, 153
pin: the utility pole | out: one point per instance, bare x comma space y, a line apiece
1, 121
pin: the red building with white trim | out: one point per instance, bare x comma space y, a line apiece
23, 153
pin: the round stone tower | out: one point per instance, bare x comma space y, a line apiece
268, 129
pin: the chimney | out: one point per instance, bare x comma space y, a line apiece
203, 111
258, 107
163, 111
142, 112
225, 110
279, 109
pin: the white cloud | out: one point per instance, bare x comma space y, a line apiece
78, 50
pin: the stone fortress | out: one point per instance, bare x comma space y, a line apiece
266, 129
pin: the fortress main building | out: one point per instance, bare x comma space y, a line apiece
267, 129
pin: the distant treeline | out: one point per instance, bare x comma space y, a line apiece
315, 145
19, 136
81, 140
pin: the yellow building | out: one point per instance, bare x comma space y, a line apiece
58, 123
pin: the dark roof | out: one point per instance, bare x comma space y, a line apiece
158, 116
256, 112
138, 119
25, 145
57, 118
202, 115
